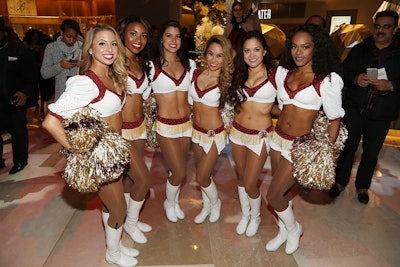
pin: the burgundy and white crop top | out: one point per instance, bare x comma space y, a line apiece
323, 91
83, 90
209, 96
163, 83
265, 92
139, 86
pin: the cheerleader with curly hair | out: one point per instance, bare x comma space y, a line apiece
307, 79
207, 95
135, 35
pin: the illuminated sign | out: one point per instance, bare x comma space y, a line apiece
264, 13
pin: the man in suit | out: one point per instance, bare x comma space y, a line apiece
371, 102
18, 80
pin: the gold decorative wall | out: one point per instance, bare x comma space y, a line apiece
22, 7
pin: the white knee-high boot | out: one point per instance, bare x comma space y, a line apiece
206, 208
245, 206
281, 238
255, 218
116, 253
215, 203
169, 203
293, 228
178, 211
144, 227
131, 223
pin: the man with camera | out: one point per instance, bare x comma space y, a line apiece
18, 80
371, 101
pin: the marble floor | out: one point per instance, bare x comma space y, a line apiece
45, 223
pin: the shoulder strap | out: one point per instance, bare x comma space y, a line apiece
317, 82
99, 84
271, 72
157, 71
196, 74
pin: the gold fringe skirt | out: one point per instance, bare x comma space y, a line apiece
205, 138
173, 128
134, 130
252, 139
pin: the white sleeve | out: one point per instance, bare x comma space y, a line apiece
280, 84
331, 94
80, 91
190, 97
193, 67
152, 70
146, 92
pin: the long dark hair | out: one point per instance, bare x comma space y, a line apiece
235, 93
233, 19
325, 58
144, 55
182, 53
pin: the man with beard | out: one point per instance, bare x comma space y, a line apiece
18, 80
372, 101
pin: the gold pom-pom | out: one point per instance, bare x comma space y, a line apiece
227, 118
101, 155
314, 157
150, 111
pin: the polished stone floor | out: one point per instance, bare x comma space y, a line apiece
45, 223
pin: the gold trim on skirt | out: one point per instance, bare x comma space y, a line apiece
135, 133
205, 140
175, 130
249, 139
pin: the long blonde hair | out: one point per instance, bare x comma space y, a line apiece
117, 70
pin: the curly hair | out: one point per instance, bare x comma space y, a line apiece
117, 70
225, 78
182, 52
144, 55
325, 58
236, 95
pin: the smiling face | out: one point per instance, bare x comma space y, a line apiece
135, 37
302, 49
171, 39
104, 48
214, 57
253, 52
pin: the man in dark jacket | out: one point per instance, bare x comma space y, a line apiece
372, 101
18, 79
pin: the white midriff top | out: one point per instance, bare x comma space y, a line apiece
208, 96
139, 86
82, 91
322, 91
163, 83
